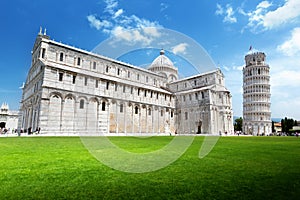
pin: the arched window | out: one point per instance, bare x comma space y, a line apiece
103, 106
121, 108
186, 116
43, 52
136, 110
78, 61
61, 56
149, 111
81, 104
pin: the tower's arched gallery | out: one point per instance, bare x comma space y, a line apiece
72, 91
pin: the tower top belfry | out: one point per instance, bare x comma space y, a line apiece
255, 58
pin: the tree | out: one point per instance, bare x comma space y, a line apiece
273, 127
282, 125
238, 124
287, 125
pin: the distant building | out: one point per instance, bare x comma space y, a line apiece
71, 91
297, 128
277, 127
256, 95
8, 118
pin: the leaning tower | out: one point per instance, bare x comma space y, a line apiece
256, 95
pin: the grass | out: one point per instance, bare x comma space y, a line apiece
237, 168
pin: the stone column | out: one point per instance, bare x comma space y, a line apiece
61, 114
117, 119
152, 116
75, 116
125, 121
86, 116
108, 115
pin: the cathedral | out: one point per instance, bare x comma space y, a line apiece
72, 91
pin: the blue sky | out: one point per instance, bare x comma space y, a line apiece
225, 29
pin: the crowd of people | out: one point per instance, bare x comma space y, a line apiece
14, 131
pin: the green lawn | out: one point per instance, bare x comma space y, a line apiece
237, 168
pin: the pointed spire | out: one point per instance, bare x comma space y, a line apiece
43, 34
41, 29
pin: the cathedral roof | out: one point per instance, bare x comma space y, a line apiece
162, 61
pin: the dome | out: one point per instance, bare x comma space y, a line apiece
162, 61
163, 66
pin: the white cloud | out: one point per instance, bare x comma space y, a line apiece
284, 14
163, 6
128, 28
142, 35
180, 48
264, 4
110, 6
152, 31
263, 18
137, 29
256, 17
219, 10
118, 13
291, 47
96, 23
122, 33
228, 13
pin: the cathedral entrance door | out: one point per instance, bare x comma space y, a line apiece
199, 127
2, 125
